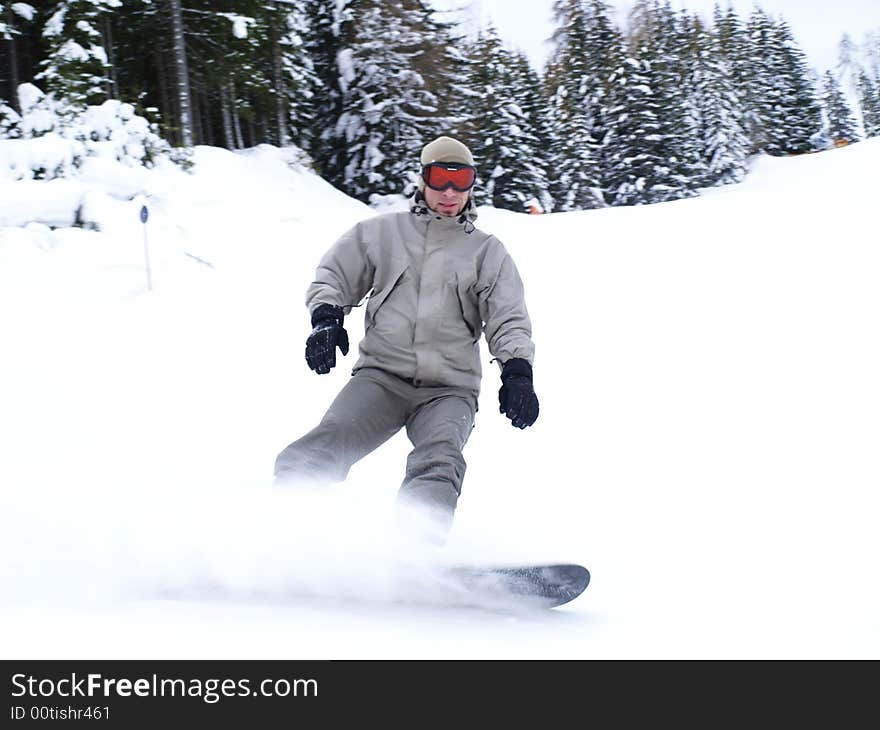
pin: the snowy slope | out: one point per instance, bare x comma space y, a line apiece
707, 444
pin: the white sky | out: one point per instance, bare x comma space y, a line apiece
817, 24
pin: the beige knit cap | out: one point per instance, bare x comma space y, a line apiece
446, 149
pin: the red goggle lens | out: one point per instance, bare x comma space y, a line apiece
458, 177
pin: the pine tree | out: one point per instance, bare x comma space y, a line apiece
387, 109
782, 109
323, 44
688, 45
641, 163
488, 130
506, 127
77, 67
238, 70
848, 65
728, 31
233, 54
724, 145
588, 50
299, 85
574, 183
677, 45
869, 100
463, 95
761, 92
734, 49
796, 118
805, 111
651, 157
523, 181
139, 47
841, 125
265, 77
853, 74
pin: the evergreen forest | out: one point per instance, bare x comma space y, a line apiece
654, 111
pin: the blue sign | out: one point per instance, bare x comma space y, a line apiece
144, 214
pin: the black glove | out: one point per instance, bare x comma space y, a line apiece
328, 333
517, 396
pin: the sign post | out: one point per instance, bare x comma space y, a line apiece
145, 214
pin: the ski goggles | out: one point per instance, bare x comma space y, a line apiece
442, 175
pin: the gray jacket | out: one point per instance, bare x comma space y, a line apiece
436, 284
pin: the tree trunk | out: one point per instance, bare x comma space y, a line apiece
13, 59
112, 81
226, 115
183, 93
195, 113
236, 120
207, 118
167, 109
280, 95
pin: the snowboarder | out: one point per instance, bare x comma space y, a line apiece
436, 283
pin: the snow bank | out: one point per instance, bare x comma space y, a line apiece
50, 140
54, 203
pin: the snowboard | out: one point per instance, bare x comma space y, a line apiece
545, 586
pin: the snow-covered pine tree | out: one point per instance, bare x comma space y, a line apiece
524, 180
574, 179
588, 50
571, 88
676, 49
761, 90
223, 51
727, 30
462, 96
236, 59
733, 48
852, 73
869, 101
724, 145
650, 155
797, 118
140, 49
244, 63
841, 124
443, 64
387, 109
296, 83
261, 73
504, 127
488, 128
685, 40
636, 171
77, 67
848, 65
323, 44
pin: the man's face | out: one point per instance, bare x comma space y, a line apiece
449, 202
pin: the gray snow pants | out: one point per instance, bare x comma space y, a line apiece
369, 410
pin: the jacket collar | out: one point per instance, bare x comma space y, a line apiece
420, 210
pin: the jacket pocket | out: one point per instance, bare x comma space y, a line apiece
468, 310
378, 297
